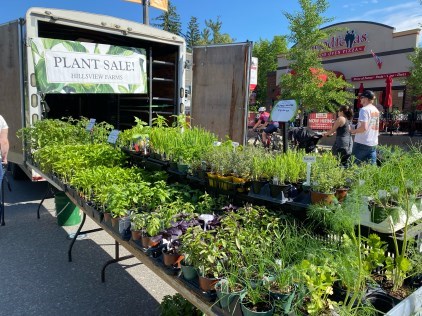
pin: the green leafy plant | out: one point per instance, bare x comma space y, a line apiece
318, 279
177, 305
327, 174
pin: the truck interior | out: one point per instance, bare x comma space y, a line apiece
119, 109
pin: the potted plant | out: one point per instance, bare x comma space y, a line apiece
382, 206
230, 289
204, 250
326, 176
256, 300
279, 177
170, 236
295, 167
318, 278
283, 288
260, 172
177, 305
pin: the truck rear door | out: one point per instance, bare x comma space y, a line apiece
220, 89
11, 85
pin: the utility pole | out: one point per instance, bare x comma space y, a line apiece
146, 13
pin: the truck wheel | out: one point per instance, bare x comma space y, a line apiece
17, 172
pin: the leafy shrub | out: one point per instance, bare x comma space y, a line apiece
177, 305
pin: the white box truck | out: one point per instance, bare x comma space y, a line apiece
60, 63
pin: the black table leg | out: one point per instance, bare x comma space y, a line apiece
117, 258
48, 192
79, 232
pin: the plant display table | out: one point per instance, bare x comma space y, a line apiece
232, 220
171, 276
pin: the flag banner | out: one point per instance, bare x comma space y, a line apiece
377, 59
159, 4
253, 74
77, 67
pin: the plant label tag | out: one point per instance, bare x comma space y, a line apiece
112, 138
90, 125
309, 159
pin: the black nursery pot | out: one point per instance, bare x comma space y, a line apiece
276, 189
382, 302
257, 185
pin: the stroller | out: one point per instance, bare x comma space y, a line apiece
304, 138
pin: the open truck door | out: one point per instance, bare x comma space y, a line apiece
220, 89
12, 92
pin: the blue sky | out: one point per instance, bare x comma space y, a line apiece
242, 19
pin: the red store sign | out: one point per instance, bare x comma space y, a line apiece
381, 76
321, 121
343, 51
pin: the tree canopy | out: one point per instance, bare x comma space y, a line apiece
170, 20
193, 35
267, 51
212, 33
304, 83
415, 79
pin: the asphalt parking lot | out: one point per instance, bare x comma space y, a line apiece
37, 279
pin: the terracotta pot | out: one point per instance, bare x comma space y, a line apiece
136, 234
147, 243
170, 259
115, 222
321, 198
207, 284
341, 194
107, 217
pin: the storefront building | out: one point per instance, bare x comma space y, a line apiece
367, 53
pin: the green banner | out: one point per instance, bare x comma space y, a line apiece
78, 67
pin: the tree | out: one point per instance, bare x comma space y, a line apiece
212, 33
305, 83
205, 37
170, 20
267, 53
192, 35
415, 78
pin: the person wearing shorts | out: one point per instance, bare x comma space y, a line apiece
269, 129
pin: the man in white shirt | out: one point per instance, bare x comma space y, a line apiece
367, 131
